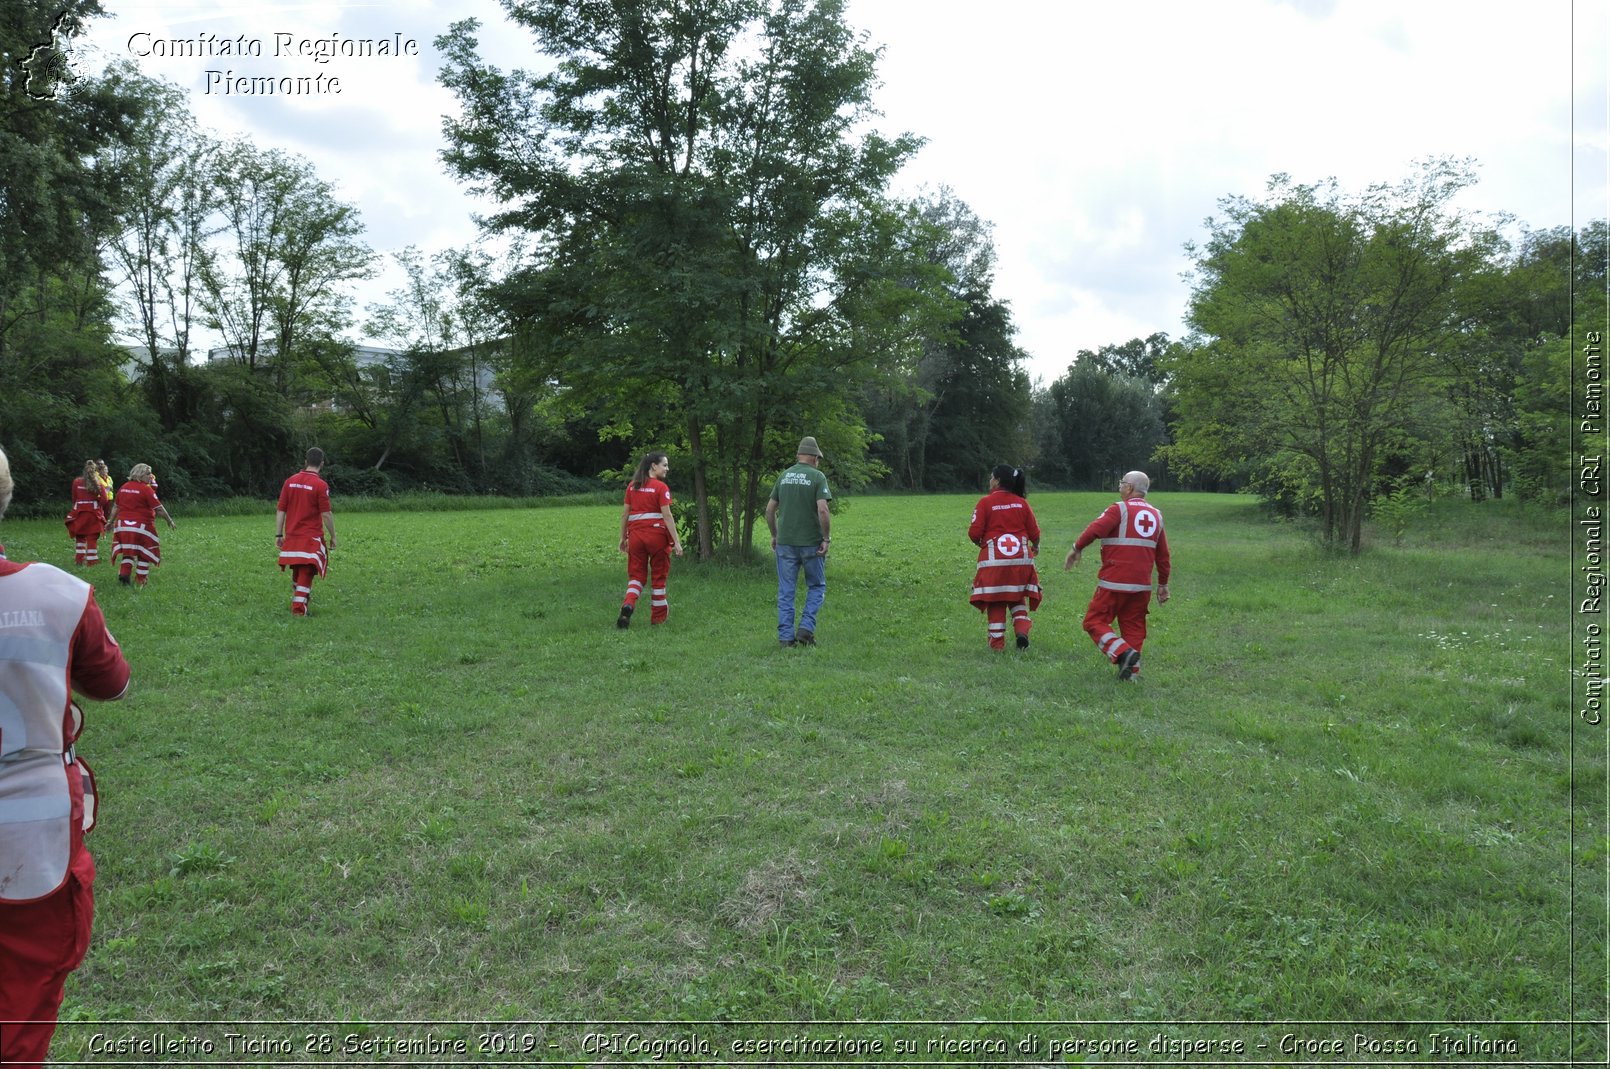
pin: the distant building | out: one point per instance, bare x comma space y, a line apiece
364, 355
382, 359
137, 358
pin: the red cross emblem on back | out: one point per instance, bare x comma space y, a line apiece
1009, 545
1145, 523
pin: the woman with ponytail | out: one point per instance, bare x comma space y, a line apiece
1008, 537
87, 517
648, 537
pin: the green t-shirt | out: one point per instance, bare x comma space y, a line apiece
797, 491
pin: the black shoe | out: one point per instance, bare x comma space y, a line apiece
1022, 642
624, 620
806, 638
1127, 665
786, 643
123, 579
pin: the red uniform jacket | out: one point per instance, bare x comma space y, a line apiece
644, 503
1006, 532
87, 516
137, 503
1132, 542
304, 499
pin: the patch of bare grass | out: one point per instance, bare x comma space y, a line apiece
767, 893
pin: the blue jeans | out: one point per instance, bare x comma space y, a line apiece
790, 561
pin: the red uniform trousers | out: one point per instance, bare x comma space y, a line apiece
995, 614
302, 588
40, 944
648, 561
304, 555
86, 548
86, 525
136, 548
1129, 608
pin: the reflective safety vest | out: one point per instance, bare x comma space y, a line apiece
1128, 554
1006, 568
1006, 530
40, 609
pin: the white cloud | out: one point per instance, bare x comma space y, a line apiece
1098, 137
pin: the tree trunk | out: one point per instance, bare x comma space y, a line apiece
1475, 480
475, 416
751, 490
1330, 507
1358, 497
701, 489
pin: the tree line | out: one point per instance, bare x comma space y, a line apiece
696, 249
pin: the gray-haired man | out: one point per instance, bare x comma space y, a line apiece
1132, 543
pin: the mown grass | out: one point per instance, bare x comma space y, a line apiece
1344, 791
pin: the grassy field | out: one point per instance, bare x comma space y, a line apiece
1343, 793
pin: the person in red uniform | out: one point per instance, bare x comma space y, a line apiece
301, 523
1008, 537
648, 538
135, 545
1132, 544
56, 642
87, 517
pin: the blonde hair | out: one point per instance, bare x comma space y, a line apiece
90, 470
139, 472
5, 483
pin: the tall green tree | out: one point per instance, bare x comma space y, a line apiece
980, 413
1138, 358
1097, 422
56, 127
1324, 313
705, 204
167, 218
1517, 300
1553, 271
445, 334
955, 401
274, 286
289, 247
59, 204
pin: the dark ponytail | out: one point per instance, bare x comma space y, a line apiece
641, 475
1012, 480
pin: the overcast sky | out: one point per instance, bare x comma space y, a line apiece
1095, 137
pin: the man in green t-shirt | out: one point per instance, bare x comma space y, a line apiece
798, 518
